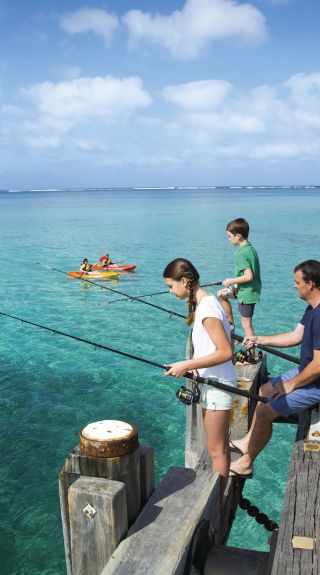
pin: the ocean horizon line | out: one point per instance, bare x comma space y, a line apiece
134, 188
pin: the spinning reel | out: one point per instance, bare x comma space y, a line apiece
189, 396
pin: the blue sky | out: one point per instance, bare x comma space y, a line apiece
149, 93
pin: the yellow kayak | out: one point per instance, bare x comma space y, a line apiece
94, 275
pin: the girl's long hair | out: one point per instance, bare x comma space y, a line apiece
181, 268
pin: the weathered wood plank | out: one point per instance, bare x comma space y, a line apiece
94, 538
65, 480
158, 542
300, 516
224, 560
146, 472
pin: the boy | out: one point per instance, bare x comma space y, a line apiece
246, 286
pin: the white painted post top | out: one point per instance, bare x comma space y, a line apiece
107, 429
109, 438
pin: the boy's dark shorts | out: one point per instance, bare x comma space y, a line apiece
246, 309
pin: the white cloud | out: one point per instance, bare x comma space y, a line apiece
185, 32
305, 90
93, 20
83, 99
270, 122
42, 141
278, 150
202, 95
111, 122
90, 145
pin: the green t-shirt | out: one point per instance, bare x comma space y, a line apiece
247, 257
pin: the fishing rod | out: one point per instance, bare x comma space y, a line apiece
196, 378
155, 293
126, 296
233, 335
115, 291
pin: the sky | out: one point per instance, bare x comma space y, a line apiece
150, 93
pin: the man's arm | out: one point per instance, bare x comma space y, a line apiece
309, 374
288, 339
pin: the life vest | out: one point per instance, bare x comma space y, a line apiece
105, 261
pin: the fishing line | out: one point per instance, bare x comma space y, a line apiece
197, 378
147, 294
126, 296
116, 291
233, 335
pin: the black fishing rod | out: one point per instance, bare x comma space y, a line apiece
115, 291
126, 296
155, 293
197, 378
233, 335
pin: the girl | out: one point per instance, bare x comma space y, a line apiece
212, 358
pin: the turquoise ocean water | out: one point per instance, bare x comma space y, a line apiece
52, 386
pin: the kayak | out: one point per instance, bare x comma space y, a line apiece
94, 276
115, 267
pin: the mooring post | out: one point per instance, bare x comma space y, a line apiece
101, 487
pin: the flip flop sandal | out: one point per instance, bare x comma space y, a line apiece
234, 448
240, 475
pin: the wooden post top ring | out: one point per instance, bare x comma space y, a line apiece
109, 438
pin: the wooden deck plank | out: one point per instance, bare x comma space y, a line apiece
300, 516
158, 541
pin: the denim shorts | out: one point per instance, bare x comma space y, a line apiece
217, 399
296, 400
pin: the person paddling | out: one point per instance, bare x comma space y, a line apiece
105, 260
212, 357
85, 266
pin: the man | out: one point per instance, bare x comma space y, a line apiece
296, 389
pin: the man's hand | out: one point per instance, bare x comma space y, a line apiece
250, 340
282, 388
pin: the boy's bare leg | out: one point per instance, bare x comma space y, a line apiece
246, 323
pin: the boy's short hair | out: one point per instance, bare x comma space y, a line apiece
238, 226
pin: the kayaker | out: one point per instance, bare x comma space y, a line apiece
106, 260
85, 266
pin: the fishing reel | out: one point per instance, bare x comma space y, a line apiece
245, 356
189, 396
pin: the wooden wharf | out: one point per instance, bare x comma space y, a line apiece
116, 523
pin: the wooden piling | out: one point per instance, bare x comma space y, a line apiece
105, 468
98, 521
